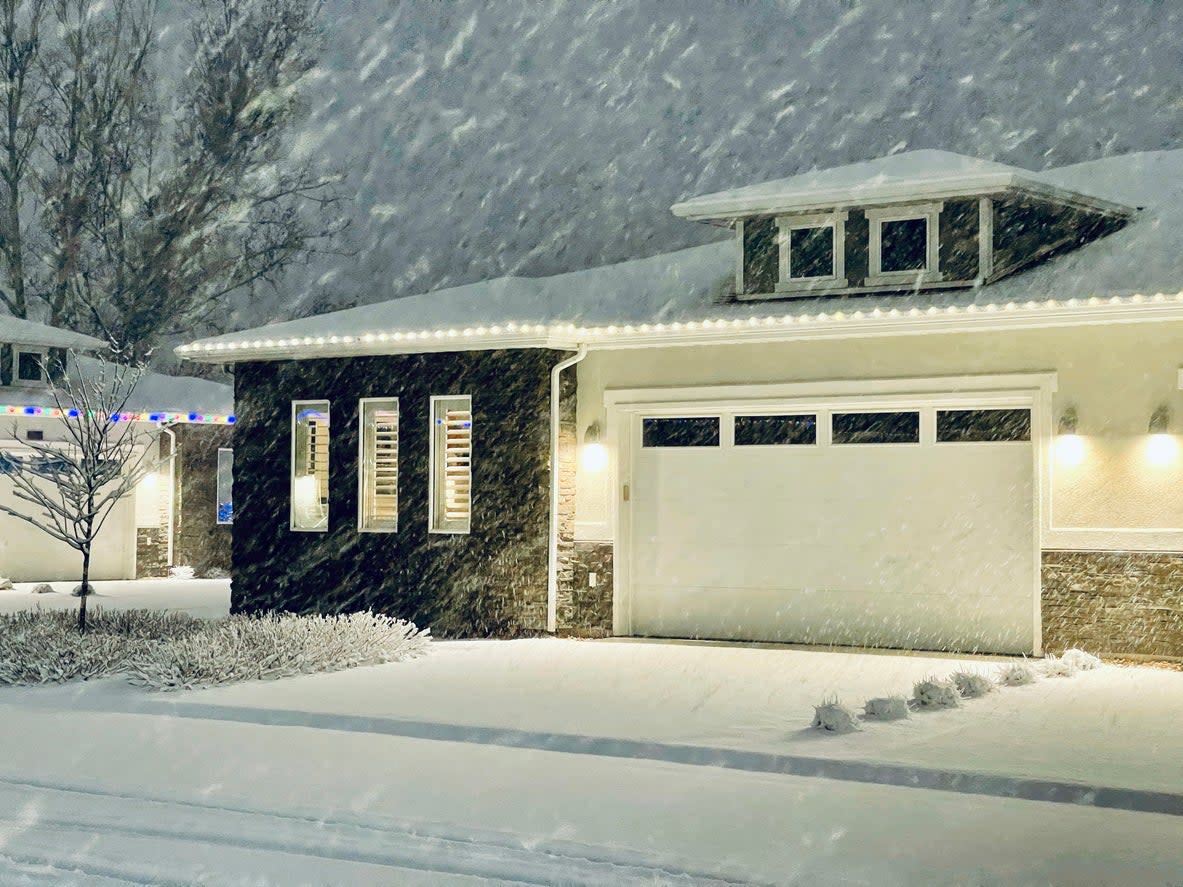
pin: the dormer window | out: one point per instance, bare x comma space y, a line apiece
903, 244
812, 252
29, 366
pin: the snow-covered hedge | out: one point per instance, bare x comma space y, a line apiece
169, 651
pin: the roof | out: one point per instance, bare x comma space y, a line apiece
912, 175
17, 331
181, 398
680, 297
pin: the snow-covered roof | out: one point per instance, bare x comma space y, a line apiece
680, 297
155, 393
17, 331
913, 175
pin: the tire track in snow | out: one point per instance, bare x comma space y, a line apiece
74, 809
846, 770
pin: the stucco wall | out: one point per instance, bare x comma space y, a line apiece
1115, 376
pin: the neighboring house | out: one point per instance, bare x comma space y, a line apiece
926, 401
174, 517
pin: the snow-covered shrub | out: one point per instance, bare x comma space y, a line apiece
248, 648
5, 583
971, 684
1016, 674
43, 588
78, 592
935, 693
885, 708
1081, 660
173, 650
834, 717
180, 572
215, 573
1054, 667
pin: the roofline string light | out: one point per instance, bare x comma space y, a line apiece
614, 331
157, 417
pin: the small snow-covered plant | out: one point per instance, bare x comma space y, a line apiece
972, 684
885, 708
834, 717
5, 583
1016, 674
43, 588
1081, 660
935, 693
180, 572
1054, 667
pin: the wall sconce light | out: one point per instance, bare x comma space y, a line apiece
594, 456
1069, 445
1161, 447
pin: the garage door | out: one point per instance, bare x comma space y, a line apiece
907, 526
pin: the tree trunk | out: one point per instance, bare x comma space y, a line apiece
85, 590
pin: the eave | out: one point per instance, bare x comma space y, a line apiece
974, 318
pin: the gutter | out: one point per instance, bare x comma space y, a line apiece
552, 566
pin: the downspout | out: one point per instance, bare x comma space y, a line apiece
172, 488
552, 569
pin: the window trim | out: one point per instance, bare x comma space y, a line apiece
785, 226
217, 498
43, 357
930, 213
296, 405
441, 527
361, 464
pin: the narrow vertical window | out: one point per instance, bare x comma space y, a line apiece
378, 465
225, 486
451, 464
310, 465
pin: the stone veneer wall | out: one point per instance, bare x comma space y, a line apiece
151, 552
491, 581
1113, 602
589, 610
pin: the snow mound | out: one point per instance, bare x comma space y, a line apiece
1081, 660
834, 717
42, 588
169, 651
1016, 674
5, 583
971, 684
885, 708
935, 693
1054, 667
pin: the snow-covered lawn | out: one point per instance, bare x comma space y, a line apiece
207, 598
594, 762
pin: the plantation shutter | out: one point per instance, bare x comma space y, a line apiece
379, 465
318, 455
452, 464
310, 465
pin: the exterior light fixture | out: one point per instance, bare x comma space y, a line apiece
1161, 448
1069, 445
594, 456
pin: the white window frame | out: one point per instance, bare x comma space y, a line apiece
296, 406
786, 225
217, 488
43, 361
930, 213
438, 523
362, 463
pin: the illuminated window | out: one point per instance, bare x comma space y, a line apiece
378, 465
451, 464
310, 465
225, 486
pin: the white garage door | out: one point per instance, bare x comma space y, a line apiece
908, 526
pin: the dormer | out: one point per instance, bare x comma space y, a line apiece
921, 220
31, 353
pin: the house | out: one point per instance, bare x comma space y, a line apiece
926, 401
179, 515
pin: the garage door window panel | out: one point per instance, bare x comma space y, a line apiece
786, 430
876, 428
680, 431
983, 426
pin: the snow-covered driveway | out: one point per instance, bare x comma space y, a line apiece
605, 762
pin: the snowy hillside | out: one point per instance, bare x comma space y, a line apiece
524, 137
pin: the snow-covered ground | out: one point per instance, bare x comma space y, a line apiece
207, 598
593, 762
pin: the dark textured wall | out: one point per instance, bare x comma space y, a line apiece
1028, 231
1113, 602
586, 610
959, 239
200, 542
491, 581
151, 552
5, 364
761, 255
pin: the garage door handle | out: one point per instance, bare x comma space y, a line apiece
626, 492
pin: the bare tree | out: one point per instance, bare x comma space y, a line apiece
71, 486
